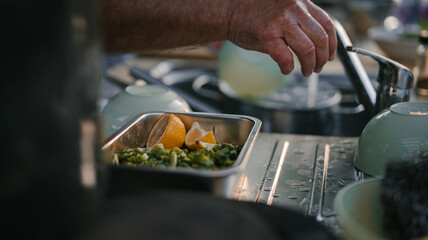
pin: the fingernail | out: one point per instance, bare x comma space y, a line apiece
308, 73
318, 69
288, 68
331, 58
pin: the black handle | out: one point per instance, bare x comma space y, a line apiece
194, 103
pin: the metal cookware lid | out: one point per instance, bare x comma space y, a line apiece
299, 94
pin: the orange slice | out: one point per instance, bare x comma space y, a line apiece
169, 130
197, 138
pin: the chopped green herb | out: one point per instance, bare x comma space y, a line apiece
220, 156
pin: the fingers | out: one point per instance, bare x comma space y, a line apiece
308, 40
320, 39
322, 17
279, 27
310, 33
303, 47
281, 54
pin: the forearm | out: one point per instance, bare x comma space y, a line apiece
160, 24
276, 27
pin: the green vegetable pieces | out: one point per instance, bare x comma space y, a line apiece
220, 156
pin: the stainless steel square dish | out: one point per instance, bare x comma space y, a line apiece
234, 129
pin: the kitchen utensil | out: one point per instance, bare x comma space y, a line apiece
135, 100
359, 211
302, 106
398, 133
297, 106
233, 129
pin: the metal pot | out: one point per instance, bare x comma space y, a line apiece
303, 106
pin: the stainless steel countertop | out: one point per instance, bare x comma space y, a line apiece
301, 172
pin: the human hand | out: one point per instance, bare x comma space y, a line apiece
276, 26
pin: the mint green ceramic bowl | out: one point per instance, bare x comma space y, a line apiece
398, 133
359, 211
135, 100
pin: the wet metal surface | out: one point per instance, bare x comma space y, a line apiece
302, 172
